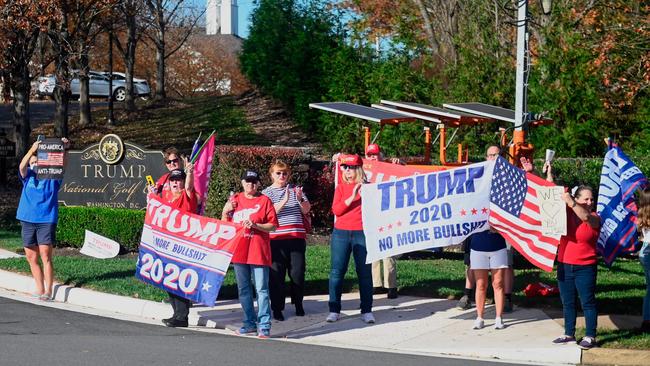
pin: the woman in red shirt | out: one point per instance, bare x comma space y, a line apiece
252, 258
577, 264
180, 195
348, 238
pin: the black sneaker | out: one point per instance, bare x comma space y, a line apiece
300, 311
392, 293
277, 315
175, 323
507, 306
378, 290
564, 340
464, 303
587, 343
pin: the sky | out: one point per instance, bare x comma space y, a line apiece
244, 7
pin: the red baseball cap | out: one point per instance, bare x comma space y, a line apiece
350, 159
372, 149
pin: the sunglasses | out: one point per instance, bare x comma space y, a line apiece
281, 174
347, 167
171, 161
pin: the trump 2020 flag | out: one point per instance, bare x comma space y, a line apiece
202, 169
426, 210
515, 213
183, 253
616, 208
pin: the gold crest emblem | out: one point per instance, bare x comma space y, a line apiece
111, 149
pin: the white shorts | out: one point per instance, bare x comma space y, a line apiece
488, 260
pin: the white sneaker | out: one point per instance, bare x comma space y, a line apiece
368, 318
478, 323
332, 317
498, 323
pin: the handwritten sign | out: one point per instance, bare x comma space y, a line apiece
98, 246
552, 210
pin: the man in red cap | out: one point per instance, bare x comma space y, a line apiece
387, 282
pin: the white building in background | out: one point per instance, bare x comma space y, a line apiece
221, 17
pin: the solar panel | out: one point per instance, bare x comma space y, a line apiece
407, 113
363, 112
484, 110
445, 115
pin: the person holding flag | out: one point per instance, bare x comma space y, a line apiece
577, 263
348, 238
181, 196
644, 254
388, 281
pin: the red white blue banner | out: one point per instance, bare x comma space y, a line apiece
426, 210
183, 253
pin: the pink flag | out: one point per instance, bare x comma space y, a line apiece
202, 169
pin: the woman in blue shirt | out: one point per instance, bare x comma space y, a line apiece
38, 212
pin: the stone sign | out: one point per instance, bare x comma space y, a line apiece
7, 147
111, 174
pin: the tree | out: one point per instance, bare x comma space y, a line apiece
162, 15
286, 53
20, 25
85, 15
130, 11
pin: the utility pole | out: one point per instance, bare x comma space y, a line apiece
519, 145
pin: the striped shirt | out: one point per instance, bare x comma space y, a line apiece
289, 217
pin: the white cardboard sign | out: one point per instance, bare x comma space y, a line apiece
552, 210
98, 246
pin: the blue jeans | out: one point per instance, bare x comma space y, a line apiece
342, 244
644, 257
249, 275
578, 280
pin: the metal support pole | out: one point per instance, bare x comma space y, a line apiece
521, 111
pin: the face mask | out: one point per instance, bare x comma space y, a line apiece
33, 166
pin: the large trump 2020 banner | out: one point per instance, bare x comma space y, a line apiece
427, 210
444, 208
183, 253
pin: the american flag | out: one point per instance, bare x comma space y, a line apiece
49, 158
514, 212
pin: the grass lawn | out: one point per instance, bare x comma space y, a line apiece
620, 289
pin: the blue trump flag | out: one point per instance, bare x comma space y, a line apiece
619, 179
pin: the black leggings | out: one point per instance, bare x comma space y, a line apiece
288, 255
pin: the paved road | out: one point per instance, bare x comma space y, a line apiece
40, 111
38, 335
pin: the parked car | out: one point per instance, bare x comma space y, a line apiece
141, 85
98, 86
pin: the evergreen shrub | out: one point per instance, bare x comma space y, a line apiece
122, 225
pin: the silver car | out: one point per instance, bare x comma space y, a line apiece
141, 86
98, 86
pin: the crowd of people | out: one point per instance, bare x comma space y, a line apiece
274, 244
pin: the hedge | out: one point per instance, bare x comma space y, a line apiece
122, 225
230, 161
